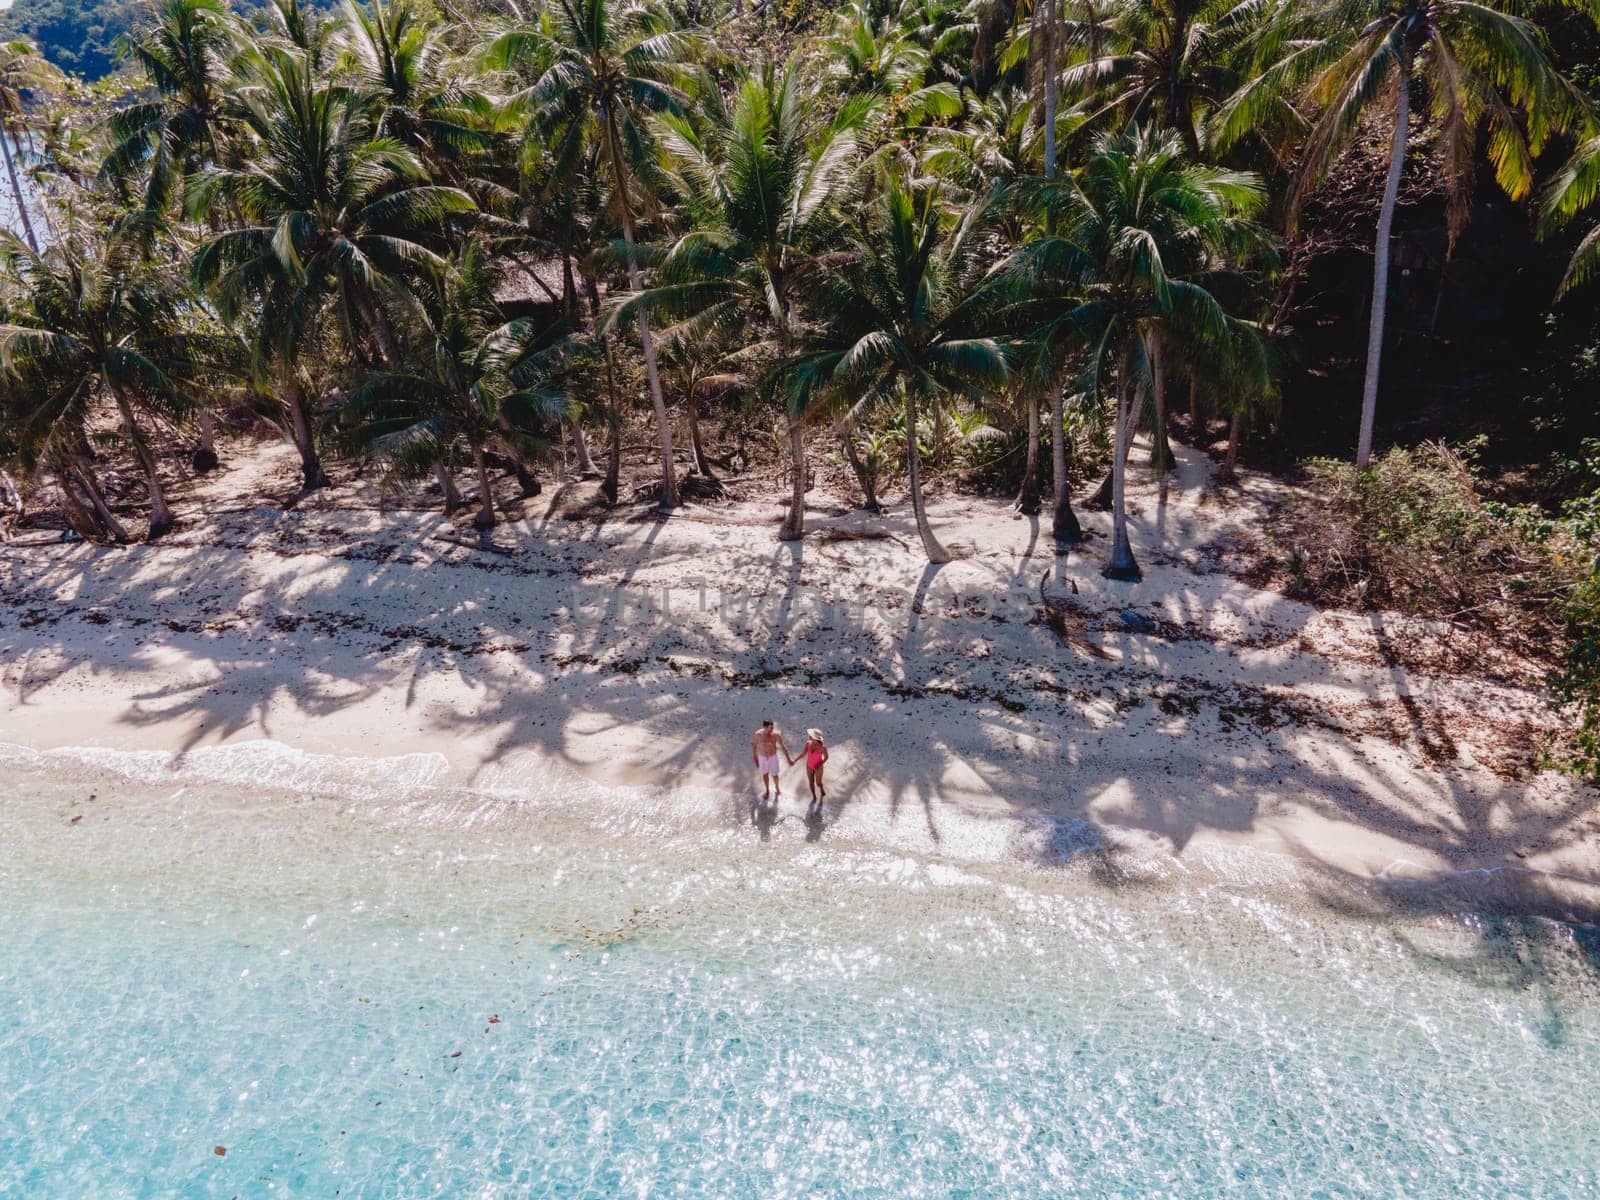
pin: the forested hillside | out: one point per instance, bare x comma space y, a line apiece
77, 35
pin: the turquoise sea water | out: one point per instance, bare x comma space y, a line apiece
357, 985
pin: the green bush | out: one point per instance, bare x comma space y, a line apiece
1412, 533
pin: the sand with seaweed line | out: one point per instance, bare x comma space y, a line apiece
1188, 707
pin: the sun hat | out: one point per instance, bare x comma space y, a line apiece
814, 734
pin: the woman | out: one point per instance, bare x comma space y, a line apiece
816, 753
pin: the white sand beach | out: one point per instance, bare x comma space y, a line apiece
1187, 709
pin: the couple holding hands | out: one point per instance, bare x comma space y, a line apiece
765, 747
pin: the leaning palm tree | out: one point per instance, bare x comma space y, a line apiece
603, 65
764, 183
23, 70
476, 384
907, 315
1470, 57
333, 217
1128, 281
94, 327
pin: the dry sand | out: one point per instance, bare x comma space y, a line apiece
1187, 708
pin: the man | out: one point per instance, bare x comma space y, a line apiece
764, 749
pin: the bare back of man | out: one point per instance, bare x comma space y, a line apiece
765, 747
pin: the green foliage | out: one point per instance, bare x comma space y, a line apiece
1411, 532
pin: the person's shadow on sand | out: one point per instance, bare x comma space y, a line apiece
815, 822
763, 815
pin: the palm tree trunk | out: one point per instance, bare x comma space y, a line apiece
485, 517
449, 496
83, 474
1100, 499
1064, 527
311, 473
569, 286
669, 479
160, 514
1122, 564
1230, 460
204, 459
697, 451
1380, 261
580, 451
1047, 10
11, 494
930, 544
1028, 494
794, 523
869, 492
1160, 451
16, 192
608, 485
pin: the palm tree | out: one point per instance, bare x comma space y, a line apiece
1469, 57
184, 56
401, 61
22, 70
1044, 44
603, 65
1175, 62
763, 185
93, 326
333, 215
907, 315
1127, 281
476, 382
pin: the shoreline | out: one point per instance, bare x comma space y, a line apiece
1189, 710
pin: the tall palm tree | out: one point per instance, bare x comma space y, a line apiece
474, 382
184, 57
94, 326
1470, 58
908, 316
1045, 45
763, 182
332, 214
603, 65
1128, 280
22, 70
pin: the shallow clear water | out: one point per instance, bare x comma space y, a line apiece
359, 985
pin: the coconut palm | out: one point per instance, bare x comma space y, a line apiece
1129, 279
333, 215
23, 70
184, 57
476, 384
94, 326
763, 183
603, 65
400, 59
1483, 69
907, 316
